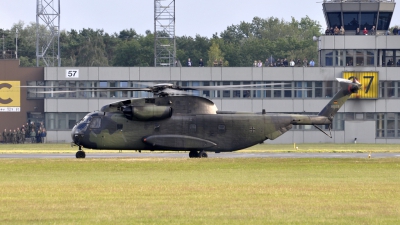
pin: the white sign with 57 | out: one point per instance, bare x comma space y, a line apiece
72, 73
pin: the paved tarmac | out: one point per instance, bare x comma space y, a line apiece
210, 155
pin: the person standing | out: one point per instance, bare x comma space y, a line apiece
259, 64
312, 63
336, 31
14, 137
33, 135
38, 136
266, 64
365, 31
292, 63
18, 135
372, 31
23, 136
305, 62
9, 138
189, 62
395, 30
201, 63
5, 136
285, 63
44, 134
358, 31
341, 30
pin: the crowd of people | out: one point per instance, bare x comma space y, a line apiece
216, 63
29, 133
341, 31
284, 63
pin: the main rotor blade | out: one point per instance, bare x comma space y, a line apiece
90, 90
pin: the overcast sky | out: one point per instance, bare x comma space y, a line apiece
203, 17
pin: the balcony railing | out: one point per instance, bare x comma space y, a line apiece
360, 1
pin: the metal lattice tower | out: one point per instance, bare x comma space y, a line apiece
48, 39
164, 33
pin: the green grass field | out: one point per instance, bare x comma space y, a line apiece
200, 191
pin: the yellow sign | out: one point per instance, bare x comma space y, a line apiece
369, 81
10, 95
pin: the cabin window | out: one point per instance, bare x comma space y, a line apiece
96, 123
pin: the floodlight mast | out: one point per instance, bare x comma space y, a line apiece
48, 39
164, 33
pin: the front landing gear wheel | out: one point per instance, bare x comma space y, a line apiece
80, 154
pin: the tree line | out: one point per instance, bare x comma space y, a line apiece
237, 46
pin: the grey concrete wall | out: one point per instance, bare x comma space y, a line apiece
360, 42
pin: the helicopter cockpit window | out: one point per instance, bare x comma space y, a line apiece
87, 119
96, 123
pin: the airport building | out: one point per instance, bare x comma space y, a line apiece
372, 116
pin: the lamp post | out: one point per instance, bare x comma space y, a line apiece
318, 39
16, 43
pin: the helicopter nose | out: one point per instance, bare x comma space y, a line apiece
77, 138
78, 133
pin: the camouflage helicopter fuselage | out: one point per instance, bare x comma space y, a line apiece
190, 123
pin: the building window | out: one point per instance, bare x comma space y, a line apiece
103, 84
384, 20
390, 125
226, 93
380, 125
335, 19
62, 121
351, 20
328, 58
359, 58
206, 93
368, 19
370, 58
246, 93
349, 57
236, 93
318, 89
339, 60
287, 93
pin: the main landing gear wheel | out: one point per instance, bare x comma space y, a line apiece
203, 154
193, 154
196, 154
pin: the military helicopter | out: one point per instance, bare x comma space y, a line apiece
176, 121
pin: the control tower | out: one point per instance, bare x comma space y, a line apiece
366, 40
353, 14
368, 49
